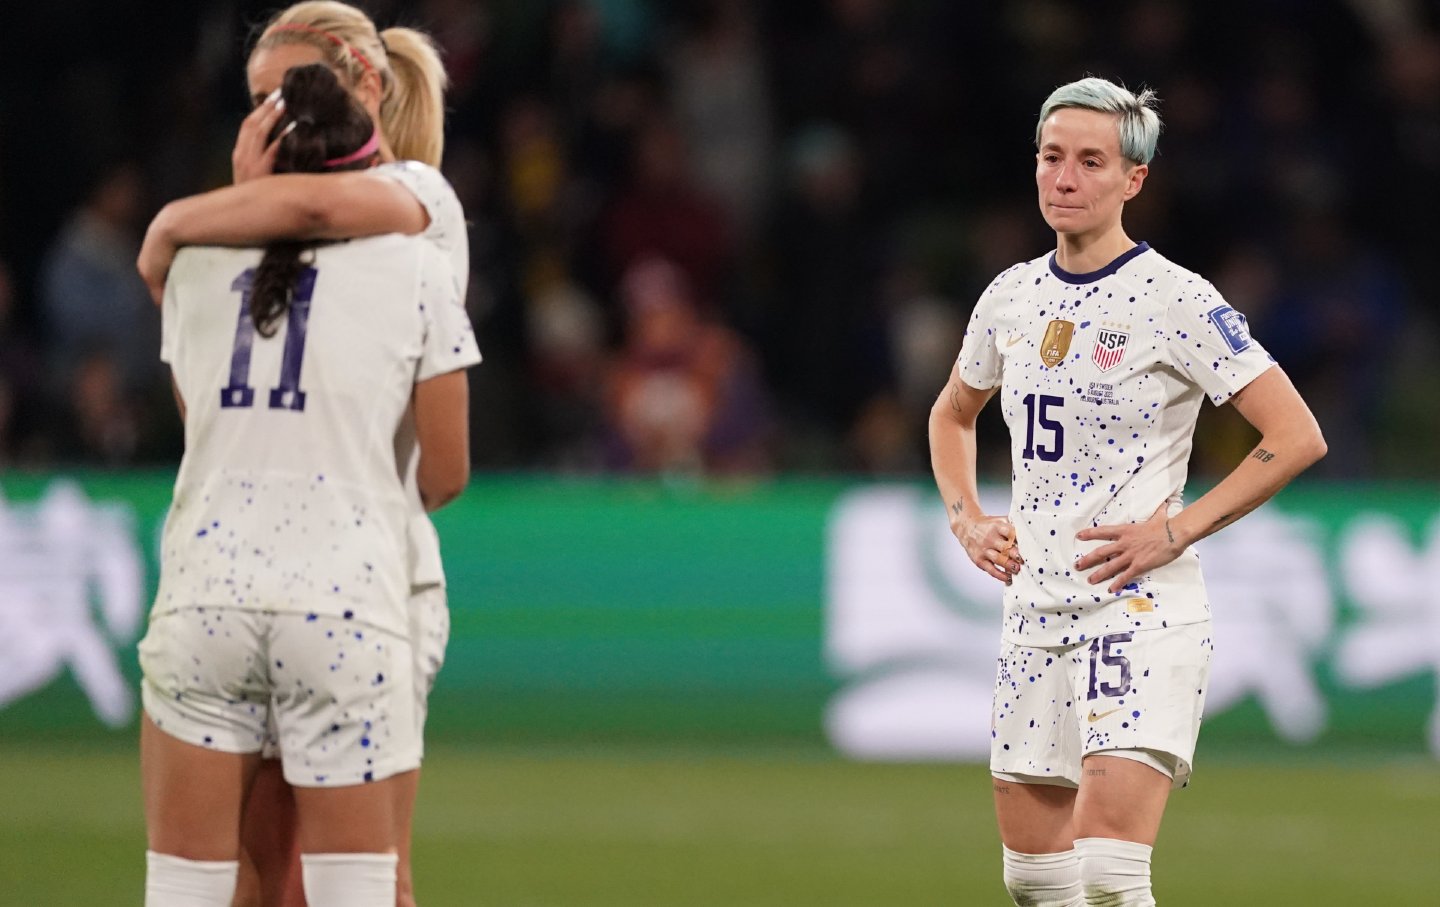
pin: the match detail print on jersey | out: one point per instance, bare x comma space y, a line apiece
1057, 342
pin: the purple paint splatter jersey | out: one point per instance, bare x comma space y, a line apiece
1100, 378
289, 497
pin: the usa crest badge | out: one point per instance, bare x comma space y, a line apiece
1109, 348
1056, 342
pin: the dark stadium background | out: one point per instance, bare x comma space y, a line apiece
634, 708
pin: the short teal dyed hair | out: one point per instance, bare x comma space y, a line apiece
1138, 122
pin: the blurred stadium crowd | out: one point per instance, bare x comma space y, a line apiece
744, 237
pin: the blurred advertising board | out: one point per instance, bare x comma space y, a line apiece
787, 612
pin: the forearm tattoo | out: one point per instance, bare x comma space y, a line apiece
1263, 455
1168, 534
1223, 520
958, 507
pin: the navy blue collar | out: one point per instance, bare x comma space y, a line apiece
1093, 276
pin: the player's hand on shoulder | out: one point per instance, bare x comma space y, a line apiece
1134, 550
990, 543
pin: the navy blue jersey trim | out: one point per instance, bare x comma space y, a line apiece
1093, 276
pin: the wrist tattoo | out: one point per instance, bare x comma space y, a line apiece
1168, 534
1263, 455
958, 507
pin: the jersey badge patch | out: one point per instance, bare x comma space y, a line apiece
1109, 348
1232, 326
1057, 342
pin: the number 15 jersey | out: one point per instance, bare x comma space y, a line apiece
289, 497
1101, 376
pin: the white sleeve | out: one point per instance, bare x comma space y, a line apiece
1209, 343
449, 339
170, 311
446, 231
979, 363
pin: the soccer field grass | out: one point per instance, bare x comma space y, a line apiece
554, 828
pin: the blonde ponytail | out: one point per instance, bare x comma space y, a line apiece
407, 61
412, 110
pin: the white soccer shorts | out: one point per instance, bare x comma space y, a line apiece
342, 692
1138, 694
429, 635
429, 617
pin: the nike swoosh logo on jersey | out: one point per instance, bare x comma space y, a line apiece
1094, 717
1013, 339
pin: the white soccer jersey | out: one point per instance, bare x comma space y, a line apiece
1101, 377
289, 497
447, 233
446, 230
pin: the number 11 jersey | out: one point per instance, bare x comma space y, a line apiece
1100, 381
289, 498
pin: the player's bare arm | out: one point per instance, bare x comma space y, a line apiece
1290, 441
442, 428
298, 206
989, 541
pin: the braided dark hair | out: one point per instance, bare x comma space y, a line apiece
321, 122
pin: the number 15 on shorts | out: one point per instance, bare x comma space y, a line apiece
1106, 663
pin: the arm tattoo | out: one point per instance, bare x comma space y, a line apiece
1002, 789
1223, 520
958, 507
1094, 771
955, 399
1263, 455
1168, 534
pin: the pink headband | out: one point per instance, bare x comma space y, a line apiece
360, 153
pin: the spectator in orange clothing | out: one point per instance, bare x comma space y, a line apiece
684, 394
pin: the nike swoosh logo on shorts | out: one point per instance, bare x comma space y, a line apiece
1094, 717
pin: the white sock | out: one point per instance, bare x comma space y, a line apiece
1114, 873
178, 882
349, 879
1043, 879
